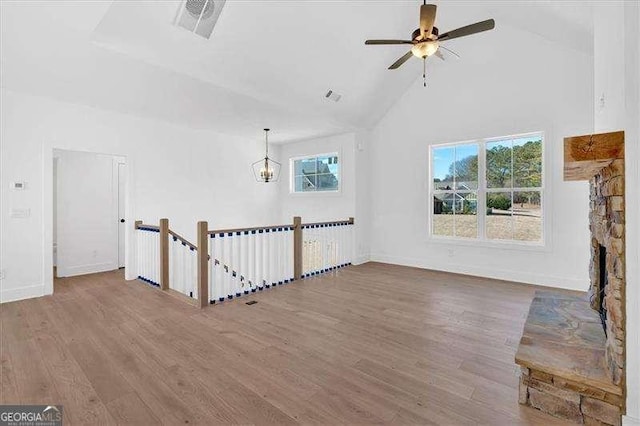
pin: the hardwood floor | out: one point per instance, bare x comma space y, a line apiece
369, 344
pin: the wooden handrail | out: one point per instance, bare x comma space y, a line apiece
182, 239
259, 228
349, 221
139, 224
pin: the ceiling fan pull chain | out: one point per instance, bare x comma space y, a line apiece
424, 72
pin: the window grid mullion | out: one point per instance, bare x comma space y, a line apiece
481, 208
455, 157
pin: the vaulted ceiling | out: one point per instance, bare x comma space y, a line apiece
267, 63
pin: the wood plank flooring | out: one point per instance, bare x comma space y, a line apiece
368, 344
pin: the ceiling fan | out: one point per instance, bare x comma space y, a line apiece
426, 40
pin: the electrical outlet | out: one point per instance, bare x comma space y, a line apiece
450, 252
2, 274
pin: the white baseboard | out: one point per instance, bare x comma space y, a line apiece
21, 293
359, 260
86, 269
526, 277
630, 421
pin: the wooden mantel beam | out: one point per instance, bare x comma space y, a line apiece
585, 156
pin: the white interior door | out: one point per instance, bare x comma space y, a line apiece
87, 213
121, 212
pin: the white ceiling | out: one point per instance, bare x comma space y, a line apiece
268, 63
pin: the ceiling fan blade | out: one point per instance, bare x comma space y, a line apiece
478, 27
427, 18
439, 54
401, 61
388, 42
448, 50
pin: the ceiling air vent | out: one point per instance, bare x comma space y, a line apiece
199, 16
331, 95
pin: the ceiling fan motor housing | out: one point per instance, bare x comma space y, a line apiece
416, 33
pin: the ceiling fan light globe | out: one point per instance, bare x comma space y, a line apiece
424, 49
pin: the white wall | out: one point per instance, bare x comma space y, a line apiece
617, 75
508, 82
85, 212
364, 197
319, 206
353, 198
175, 172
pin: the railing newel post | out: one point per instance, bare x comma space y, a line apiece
297, 247
203, 264
164, 253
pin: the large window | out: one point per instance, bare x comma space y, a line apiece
488, 189
315, 174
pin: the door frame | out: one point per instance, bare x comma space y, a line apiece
121, 165
48, 181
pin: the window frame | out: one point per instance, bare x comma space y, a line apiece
292, 175
482, 191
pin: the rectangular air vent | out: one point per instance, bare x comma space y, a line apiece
199, 16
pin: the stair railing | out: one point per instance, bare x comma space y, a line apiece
228, 263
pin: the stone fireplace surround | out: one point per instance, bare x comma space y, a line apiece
571, 366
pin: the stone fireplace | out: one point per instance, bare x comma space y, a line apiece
607, 271
572, 351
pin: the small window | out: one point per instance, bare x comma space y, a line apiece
488, 189
315, 174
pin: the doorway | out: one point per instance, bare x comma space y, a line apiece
88, 212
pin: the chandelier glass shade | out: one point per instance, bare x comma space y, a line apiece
266, 170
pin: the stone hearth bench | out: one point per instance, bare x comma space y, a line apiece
562, 358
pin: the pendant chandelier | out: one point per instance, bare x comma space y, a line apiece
266, 170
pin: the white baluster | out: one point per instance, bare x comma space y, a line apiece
212, 270
290, 254
333, 258
252, 258
272, 261
223, 262
259, 268
137, 234
244, 263
280, 255
146, 255
231, 263
305, 250
172, 260
218, 268
325, 248
194, 269
185, 286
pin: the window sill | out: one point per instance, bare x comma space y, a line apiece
319, 194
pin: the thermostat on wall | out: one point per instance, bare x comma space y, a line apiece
20, 213
18, 185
